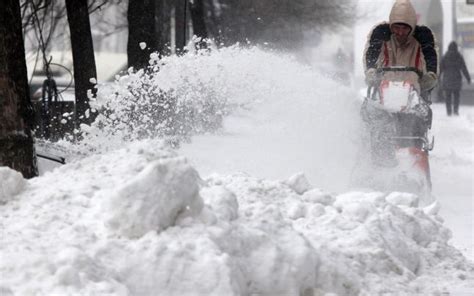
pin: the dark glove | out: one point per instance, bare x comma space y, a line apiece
422, 111
428, 81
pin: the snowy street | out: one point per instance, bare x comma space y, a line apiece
237, 148
261, 206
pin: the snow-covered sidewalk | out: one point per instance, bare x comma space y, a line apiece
452, 165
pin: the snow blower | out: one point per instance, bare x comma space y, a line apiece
398, 119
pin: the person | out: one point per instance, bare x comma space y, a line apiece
342, 64
401, 42
452, 64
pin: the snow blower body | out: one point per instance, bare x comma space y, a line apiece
398, 119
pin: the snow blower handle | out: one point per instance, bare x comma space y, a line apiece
425, 95
372, 89
54, 158
400, 69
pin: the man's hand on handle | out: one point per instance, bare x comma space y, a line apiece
428, 81
371, 76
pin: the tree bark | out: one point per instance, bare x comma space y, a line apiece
83, 57
180, 24
141, 28
163, 26
199, 25
16, 112
215, 29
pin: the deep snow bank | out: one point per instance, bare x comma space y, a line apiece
140, 221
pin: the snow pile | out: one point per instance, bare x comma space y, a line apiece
140, 221
12, 183
52, 236
361, 243
154, 198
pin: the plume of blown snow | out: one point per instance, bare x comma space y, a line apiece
181, 96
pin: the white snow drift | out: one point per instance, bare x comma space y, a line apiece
140, 221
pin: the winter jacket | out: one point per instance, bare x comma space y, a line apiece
452, 64
383, 50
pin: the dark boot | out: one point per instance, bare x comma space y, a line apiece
456, 102
448, 103
448, 109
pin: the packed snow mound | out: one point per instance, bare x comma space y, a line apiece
154, 198
363, 242
11, 184
140, 221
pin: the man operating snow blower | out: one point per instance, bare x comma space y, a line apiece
401, 66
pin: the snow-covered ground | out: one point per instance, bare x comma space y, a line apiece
452, 165
262, 207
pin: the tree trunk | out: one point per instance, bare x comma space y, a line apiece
141, 28
180, 24
16, 112
163, 26
199, 25
215, 26
83, 57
